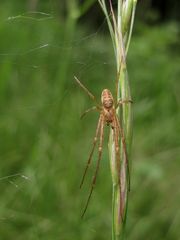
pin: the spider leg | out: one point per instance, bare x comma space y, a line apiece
116, 139
120, 102
124, 148
117, 80
89, 110
98, 162
92, 151
86, 90
117, 83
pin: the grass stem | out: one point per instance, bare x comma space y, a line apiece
120, 26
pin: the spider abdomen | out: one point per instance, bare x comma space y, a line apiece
107, 99
108, 115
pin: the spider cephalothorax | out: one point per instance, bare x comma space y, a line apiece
107, 116
107, 99
107, 106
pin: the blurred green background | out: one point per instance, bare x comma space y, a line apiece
44, 145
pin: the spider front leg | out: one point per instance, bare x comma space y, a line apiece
120, 102
86, 90
98, 161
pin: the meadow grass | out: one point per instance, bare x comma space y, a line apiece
43, 138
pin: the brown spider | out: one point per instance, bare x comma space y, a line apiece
107, 116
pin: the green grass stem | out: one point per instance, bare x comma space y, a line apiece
120, 26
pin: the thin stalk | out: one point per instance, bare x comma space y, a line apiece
120, 27
131, 25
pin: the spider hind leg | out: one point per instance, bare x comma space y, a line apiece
97, 164
92, 151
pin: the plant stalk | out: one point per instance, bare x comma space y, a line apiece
120, 27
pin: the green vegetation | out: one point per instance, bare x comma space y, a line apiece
43, 138
120, 24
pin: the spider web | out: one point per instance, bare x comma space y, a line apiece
30, 75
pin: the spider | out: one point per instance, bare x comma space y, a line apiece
109, 117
